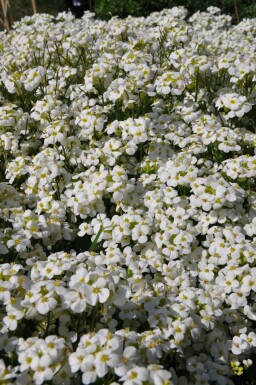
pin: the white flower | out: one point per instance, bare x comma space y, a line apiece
42, 374
85, 228
159, 376
135, 376
63, 376
177, 329
54, 345
32, 78
46, 303
97, 292
250, 338
103, 360
140, 232
228, 281
28, 359
5, 287
7, 373
238, 345
121, 295
76, 298
128, 360
90, 375
11, 320
77, 360
235, 103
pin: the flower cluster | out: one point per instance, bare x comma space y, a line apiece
127, 200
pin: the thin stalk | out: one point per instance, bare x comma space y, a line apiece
236, 11
48, 324
197, 85
6, 13
34, 6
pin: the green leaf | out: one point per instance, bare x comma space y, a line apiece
94, 243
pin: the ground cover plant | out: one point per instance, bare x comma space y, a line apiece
128, 230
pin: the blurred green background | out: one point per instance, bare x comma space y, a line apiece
104, 9
246, 8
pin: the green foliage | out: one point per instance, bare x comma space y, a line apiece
94, 243
106, 8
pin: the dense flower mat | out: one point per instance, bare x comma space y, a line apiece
127, 200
